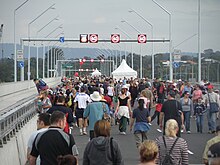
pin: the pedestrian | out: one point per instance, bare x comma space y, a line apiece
171, 109
197, 94
67, 160
53, 142
43, 122
170, 144
199, 111
60, 106
187, 108
134, 92
157, 111
123, 110
148, 151
141, 116
81, 101
211, 153
46, 103
213, 103
102, 150
96, 110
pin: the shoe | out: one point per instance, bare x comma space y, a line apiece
213, 132
149, 123
210, 132
122, 133
81, 134
181, 131
189, 132
84, 133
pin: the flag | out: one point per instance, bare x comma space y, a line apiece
1, 31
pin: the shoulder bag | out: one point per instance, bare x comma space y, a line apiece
214, 107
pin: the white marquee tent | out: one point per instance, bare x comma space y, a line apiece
124, 71
96, 73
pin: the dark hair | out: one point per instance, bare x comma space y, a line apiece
82, 89
45, 117
102, 128
66, 160
60, 99
56, 116
141, 104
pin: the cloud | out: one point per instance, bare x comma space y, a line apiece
99, 20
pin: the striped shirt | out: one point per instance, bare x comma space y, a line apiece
179, 153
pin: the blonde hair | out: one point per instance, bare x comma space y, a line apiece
143, 93
148, 151
171, 128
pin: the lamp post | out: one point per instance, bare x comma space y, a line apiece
152, 34
29, 50
141, 62
199, 41
170, 38
54, 19
15, 51
132, 59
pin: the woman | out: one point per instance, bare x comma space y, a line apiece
179, 153
148, 152
187, 108
197, 94
123, 110
46, 103
142, 117
102, 149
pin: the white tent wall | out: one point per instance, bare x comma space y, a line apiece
124, 71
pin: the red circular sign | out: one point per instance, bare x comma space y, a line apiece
93, 38
142, 38
115, 38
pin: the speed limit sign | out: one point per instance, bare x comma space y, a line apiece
115, 38
93, 38
142, 38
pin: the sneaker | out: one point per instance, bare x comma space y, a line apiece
122, 133
149, 123
84, 133
189, 132
81, 134
182, 131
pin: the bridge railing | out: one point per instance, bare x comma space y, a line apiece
12, 121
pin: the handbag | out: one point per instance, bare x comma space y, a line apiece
214, 107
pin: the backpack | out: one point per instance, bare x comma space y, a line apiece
168, 159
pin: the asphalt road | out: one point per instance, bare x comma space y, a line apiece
196, 142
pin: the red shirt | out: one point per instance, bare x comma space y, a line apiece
159, 107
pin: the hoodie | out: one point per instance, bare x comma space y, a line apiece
98, 151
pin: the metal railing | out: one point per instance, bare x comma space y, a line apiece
15, 118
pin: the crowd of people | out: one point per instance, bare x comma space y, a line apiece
95, 104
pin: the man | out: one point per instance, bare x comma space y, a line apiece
213, 98
43, 122
53, 142
211, 153
67, 111
81, 101
171, 109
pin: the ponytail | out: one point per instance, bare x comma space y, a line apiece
141, 104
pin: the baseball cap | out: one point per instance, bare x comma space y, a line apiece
210, 86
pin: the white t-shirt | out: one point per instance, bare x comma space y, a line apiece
82, 99
110, 91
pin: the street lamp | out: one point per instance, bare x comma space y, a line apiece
54, 19
132, 60
15, 53
170, 38
29, 50
141, 62
152, 34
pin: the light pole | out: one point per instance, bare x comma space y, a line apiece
29, 50
132, 59
15, 51
152, 35
170, 38
141, 62
199, 41
54, 19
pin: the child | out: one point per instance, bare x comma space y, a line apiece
199, 110
158, 108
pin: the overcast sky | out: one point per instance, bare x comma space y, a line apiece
102, 16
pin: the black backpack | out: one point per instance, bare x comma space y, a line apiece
168, 159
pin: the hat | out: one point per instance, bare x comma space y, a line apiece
172, 93
95, 96
124, 87
210, 86
214, 150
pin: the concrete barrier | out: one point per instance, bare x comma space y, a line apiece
13, 87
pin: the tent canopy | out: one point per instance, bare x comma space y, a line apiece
96, 73
124, 71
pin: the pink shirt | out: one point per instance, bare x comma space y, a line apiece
197, 94
146, 101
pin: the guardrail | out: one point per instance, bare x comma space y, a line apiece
12, 121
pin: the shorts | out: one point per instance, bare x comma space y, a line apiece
79, 113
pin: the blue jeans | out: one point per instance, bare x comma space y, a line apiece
211, 120
187, 115
199, 123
